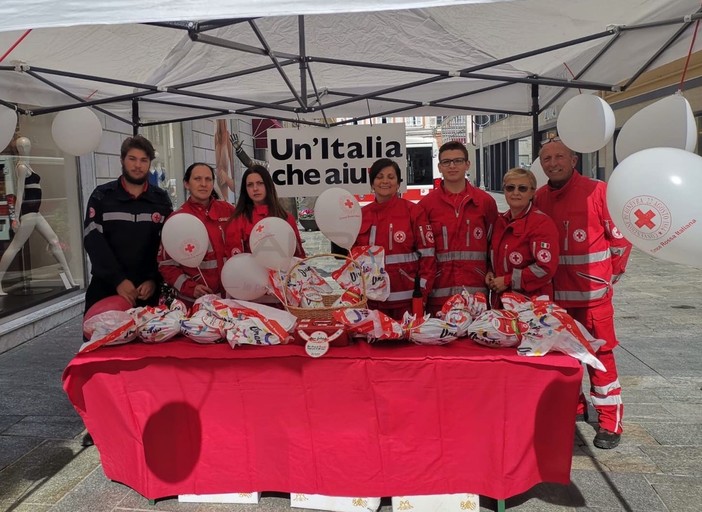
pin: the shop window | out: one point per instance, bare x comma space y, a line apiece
41, 242
167, 168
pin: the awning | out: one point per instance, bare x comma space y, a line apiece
260, 131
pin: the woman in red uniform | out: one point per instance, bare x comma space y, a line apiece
193, 283
257, 200
524, 247
402, 229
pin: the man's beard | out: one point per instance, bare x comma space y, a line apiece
133, 181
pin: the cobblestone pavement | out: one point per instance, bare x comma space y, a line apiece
657, 466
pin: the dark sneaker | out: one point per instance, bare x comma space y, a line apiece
606, 440
87, 440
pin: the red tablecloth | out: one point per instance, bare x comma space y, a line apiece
364, 420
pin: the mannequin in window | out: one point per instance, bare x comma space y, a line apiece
27, 216
157, 173
224, 167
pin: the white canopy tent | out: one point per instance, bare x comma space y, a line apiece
265, 59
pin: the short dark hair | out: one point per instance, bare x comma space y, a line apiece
189, 172
454, 145
137, 142
381, 164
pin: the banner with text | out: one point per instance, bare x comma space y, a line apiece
308, 160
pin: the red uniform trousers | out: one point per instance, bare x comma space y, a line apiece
605, 390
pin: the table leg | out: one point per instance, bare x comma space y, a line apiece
500, 505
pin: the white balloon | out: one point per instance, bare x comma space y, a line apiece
185, 239
586, 123
338, 216
653, 197
76, 131
244, 278
273, 242
541, 178
667, 123
8, 123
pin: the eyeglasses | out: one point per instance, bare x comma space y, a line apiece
522, 188
550, 139
455, 161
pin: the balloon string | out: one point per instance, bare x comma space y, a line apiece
580, 91
687, 60
203, 277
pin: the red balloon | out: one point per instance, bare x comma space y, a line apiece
112, 303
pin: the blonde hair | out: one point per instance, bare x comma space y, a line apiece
518, 172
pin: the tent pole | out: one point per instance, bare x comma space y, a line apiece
303, 61
135, 117
534, 121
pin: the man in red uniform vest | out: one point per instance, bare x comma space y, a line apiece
593, 256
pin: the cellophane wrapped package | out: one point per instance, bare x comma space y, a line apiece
197, 329
368, 265
156, 324
498, 328
370, 323
108, 328
303, 286
552, 328
429, 331
204, 302
474, 304
348, 299
244, 326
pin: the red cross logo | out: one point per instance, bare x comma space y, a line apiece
189, 248
644, 219
259, 228
348, 203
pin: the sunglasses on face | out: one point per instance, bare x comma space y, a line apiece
448, 161
522, 188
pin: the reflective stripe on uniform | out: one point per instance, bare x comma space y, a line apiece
460, 256
401, 258
517, 279
605, 390
92, 227
591, 295
118, 216
168, 263
406, 295
179, 282
424, 253
606, 400
208, 264
582, 259
537, 270
617, 251
144, 217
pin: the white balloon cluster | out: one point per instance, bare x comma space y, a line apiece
653, 193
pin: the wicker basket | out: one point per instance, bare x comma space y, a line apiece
324, 313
